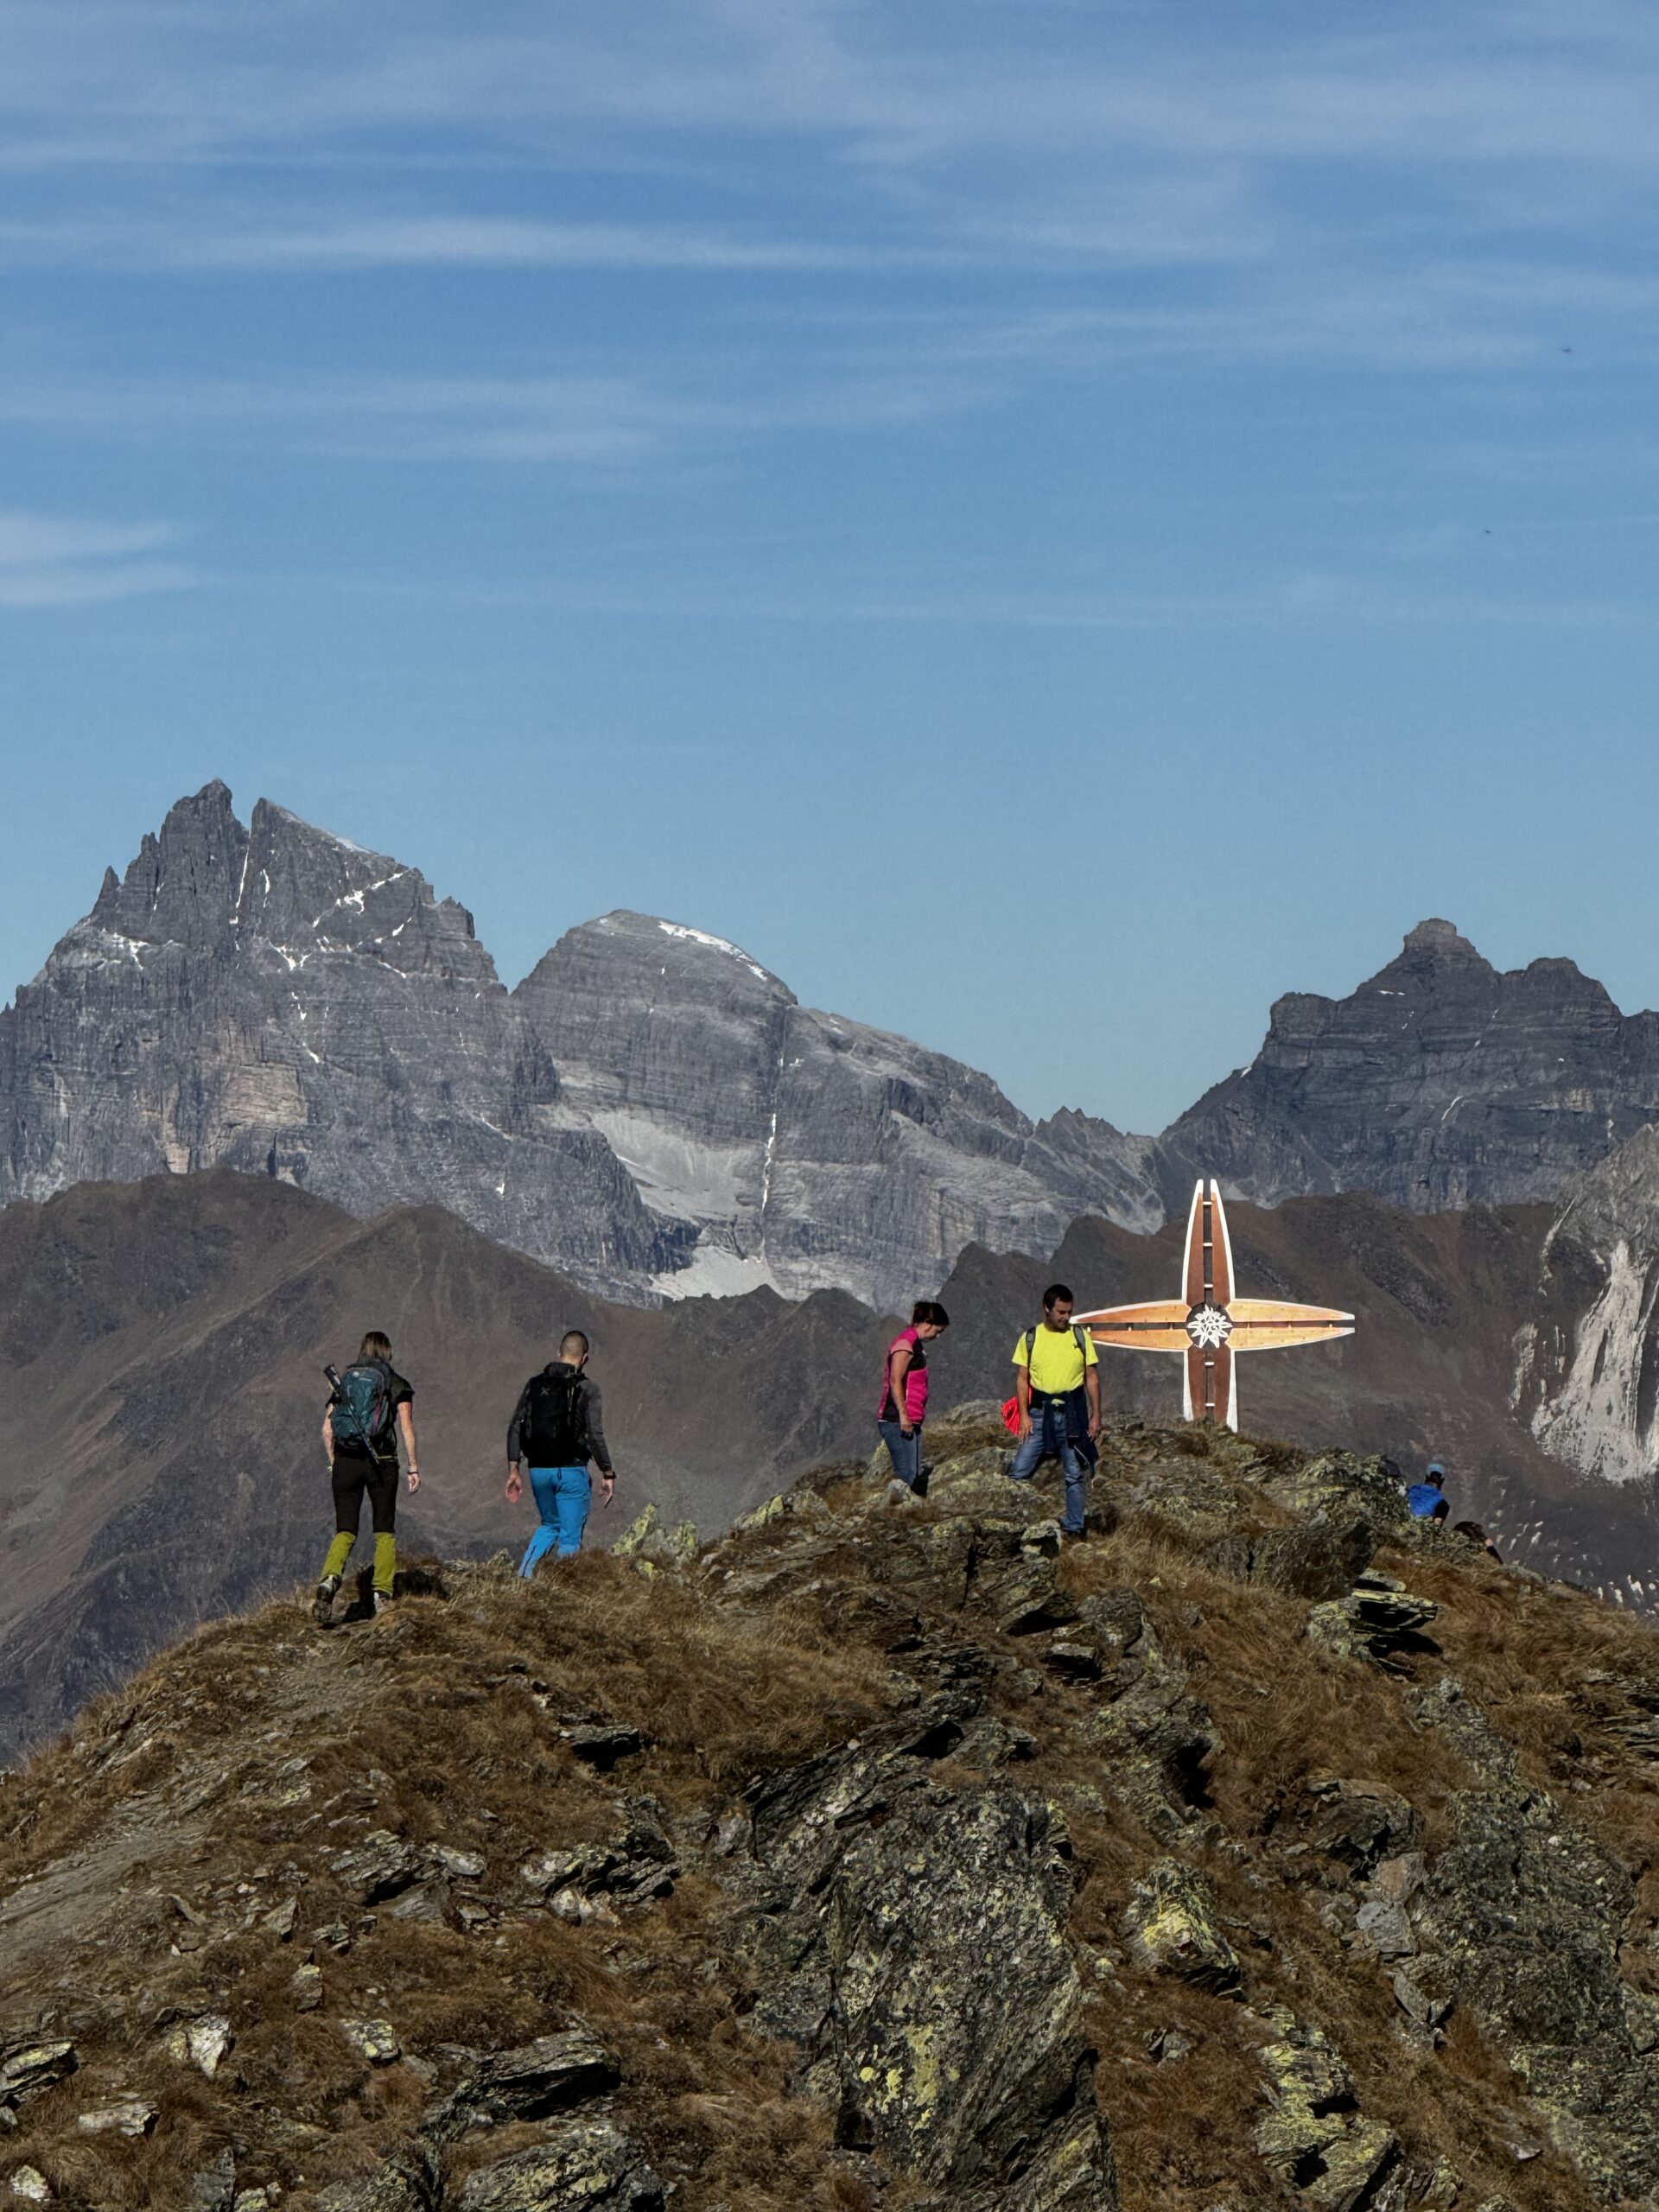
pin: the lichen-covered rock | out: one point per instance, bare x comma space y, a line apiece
30, 2064
1378, 1618
584, 2166
375, 2040
548, 2075
1172, 1927
1312, 1561
1314, 2136
1361, 1823
1526, 1913
879, 1901
406, 2182
1188, 1493
1156, 1739
650, 1540
948, 2086
1337, 1486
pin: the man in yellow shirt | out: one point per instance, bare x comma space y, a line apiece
1057, 1384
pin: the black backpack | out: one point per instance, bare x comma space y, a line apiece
553, 1430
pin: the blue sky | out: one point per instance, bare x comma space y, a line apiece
1050, 525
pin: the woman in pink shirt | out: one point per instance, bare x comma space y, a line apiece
903, 1406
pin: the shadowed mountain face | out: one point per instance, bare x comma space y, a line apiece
160, 1402
1440, 1082
650, 1111
161, 1391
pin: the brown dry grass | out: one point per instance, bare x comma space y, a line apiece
442, 1725
438, 1724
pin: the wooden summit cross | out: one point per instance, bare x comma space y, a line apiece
1208, 1324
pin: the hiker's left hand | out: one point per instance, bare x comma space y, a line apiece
1094, 1427
608, 1483
414, 1478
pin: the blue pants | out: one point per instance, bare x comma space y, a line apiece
906, 1454
563, 1495
1049, 1440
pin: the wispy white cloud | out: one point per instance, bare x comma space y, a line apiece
344, 242
593, 422
55, 561
1311, 601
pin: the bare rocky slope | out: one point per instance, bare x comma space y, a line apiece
1259, 1852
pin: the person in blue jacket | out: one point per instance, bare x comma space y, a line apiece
1426, 1498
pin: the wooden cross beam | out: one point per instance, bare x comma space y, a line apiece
1207, 1323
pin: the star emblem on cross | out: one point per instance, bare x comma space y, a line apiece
1207, 1323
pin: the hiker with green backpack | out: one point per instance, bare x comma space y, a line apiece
557, 1427
1056, 1391
367, 1406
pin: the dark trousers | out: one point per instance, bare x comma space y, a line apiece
354, 1474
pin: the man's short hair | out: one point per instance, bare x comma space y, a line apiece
1057, 1294
929, 1309
573, 1344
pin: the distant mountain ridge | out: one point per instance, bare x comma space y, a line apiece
649, 1111
654, 1113
1440, 1082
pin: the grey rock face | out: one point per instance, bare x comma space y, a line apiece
811, 1151
1527, 1912
274, 999
586, 2162
651, 1109
1440, 1082
881, 1895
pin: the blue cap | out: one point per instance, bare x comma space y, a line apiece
1434, 1468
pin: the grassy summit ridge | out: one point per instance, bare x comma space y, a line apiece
1263, 1851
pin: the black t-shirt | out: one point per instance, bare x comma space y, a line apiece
385, 1445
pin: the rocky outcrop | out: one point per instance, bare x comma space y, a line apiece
1440, 1082
943, 1866
1524, 1917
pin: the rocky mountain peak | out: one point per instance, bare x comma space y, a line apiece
646, 951
1439, 1081
1441, 940
182, 887
305, 892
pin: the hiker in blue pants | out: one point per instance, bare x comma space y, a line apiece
557, 1427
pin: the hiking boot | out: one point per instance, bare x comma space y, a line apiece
322, 1611
383, 1602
